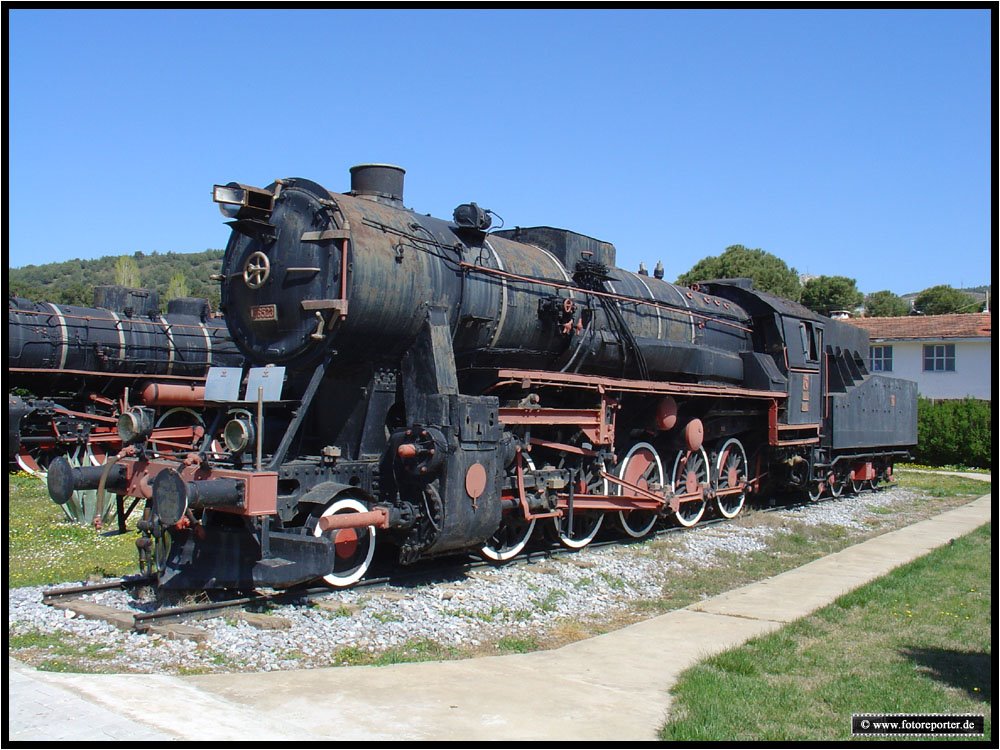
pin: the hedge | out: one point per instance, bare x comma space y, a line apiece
955, 432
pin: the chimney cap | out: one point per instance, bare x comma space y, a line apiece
381, 182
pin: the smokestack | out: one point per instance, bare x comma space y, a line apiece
379, 182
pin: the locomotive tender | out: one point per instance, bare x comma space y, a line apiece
444, 388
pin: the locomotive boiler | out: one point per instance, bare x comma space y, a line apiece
444, 388
52, 347
75, 367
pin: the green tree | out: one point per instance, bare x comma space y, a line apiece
825, 294
126, 271
943, 299
73, 293
178, 286
769, 272
885, 304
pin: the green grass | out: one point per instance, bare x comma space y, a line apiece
941, 485
916, 641
44, 548
411, 651
57, 652
510, 644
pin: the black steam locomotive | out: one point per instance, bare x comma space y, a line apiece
445, 388
76, 368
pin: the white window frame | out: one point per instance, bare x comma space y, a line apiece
880, 357
941, 358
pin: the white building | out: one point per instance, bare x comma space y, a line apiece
949, 356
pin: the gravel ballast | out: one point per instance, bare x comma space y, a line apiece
472, 611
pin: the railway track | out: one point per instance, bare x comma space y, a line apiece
420, 574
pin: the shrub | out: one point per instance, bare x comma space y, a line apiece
956, 432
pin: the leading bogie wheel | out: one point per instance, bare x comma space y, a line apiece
354, 547
641, 467
513, 534
690, 475
733, 472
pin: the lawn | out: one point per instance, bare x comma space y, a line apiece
918, 640
43, 547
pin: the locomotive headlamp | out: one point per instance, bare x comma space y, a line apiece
135, 424
238, 201
238, 434
230, 199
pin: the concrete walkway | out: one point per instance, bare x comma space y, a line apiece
611, 687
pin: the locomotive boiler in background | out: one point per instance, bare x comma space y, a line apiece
74, 369
443, 388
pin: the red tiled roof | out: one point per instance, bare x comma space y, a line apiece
958, 325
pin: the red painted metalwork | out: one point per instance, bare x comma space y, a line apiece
863, 471
407, 450
345, 543
562, 447
260, 492
694, 434
475, 480
666, 414
171, 394
597, 424
377, 517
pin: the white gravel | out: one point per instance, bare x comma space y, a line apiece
476, 608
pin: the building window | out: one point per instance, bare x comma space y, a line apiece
881, 358
939, 358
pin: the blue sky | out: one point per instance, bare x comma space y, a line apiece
846, 142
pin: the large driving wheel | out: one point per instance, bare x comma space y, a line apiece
690, 475
586, 523
355, 548
733, 472
642, 467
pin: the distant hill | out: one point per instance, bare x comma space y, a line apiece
72, 282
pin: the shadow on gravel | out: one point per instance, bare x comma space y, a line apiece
964, 670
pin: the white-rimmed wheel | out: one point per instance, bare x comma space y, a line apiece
513, 533
733, 472
642, 467
354, 547
836, 482
29, 464
690, 475
586, 523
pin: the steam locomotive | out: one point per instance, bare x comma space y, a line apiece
442, 388
77, 367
